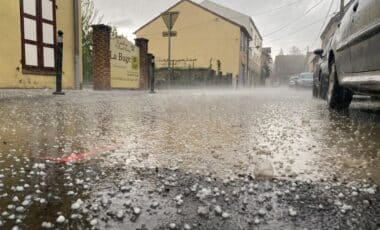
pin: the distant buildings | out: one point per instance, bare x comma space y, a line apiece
28, 43
331, 26
266, 65
287, 66
208, 36
326, 36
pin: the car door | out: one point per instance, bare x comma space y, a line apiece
365, 38
342, 50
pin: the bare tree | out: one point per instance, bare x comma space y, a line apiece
295, 51
90, 16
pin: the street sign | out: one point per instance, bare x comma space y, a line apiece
172, 34
170, 19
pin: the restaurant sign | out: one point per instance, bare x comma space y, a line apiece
125, 69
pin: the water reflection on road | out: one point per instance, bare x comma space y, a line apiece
218, 131
278, 131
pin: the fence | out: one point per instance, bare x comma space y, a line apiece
188, 78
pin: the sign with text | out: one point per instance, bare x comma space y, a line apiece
172, 34
125, 64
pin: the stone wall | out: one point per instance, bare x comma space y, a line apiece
101, 60
142, 43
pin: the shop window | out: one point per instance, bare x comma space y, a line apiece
38, 29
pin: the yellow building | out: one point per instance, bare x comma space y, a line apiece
208, 35
28, 43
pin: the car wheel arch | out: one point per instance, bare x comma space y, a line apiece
331, 59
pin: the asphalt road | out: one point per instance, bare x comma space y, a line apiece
187, 159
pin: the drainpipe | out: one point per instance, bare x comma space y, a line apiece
77, 61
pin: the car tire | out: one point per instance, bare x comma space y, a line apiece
315, 91
324, 87
338, 97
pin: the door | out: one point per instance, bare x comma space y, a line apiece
365, 38
343, 51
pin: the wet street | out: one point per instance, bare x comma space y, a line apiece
187, 159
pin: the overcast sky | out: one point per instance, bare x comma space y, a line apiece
282, 23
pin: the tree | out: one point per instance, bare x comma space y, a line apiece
295, 51
114, 33
266, 70
90, 16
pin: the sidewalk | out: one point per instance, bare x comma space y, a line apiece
24, 93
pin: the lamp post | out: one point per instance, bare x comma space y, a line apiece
58, 90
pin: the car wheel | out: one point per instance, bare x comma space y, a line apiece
338, 97
323, 87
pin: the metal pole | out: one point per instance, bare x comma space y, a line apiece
152, 79
59, 64
169, 48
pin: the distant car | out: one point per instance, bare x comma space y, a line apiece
292, 81
354, 58
276, 84
305, 80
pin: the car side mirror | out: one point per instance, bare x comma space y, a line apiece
318, 52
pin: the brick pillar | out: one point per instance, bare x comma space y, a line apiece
142, 43
101, 57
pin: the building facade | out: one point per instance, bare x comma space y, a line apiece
286, 66
331, 26
266, 65
28, 43
208, 36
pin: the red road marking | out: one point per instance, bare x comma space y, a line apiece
81, 156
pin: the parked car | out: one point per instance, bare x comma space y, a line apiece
292, 81
305, 80
354, 57
321, 73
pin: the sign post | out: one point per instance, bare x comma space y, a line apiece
152, 69
170, 19
58, 90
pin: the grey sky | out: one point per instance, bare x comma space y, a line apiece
282, 23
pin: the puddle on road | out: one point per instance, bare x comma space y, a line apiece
218, 132
222, 132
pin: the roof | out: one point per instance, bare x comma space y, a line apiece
235, 16
216, 10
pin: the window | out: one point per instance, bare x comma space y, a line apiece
38, 26
243, 41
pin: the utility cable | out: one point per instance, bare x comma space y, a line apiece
323, 24
297, 20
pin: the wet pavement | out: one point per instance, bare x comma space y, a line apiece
187, 159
